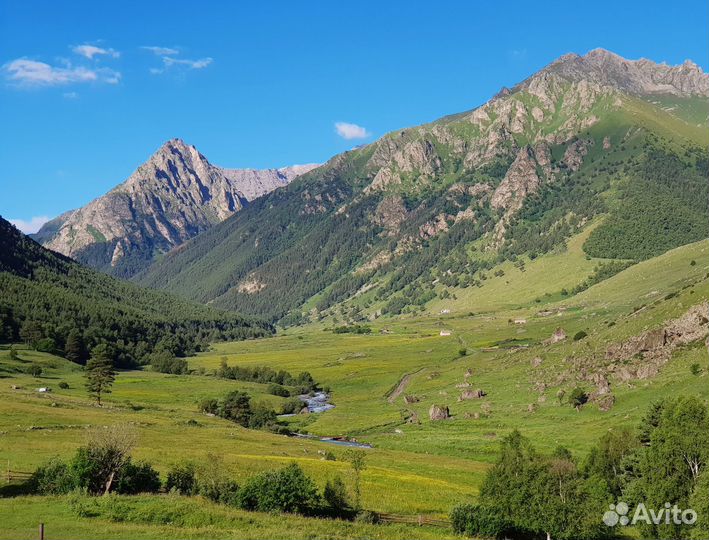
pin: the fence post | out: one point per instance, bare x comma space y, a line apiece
41, 531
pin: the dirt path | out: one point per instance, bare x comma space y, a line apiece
403, 383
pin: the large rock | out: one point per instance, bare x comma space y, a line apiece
558, 335
471, 394
438, 412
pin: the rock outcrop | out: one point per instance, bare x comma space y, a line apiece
438, 412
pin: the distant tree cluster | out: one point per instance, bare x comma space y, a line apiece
303, 383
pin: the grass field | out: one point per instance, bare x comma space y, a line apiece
414, 468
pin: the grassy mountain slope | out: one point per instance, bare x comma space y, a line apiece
396, 225
52, 296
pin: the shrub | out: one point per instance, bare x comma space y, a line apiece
578, 397
335, 494
236, 406
52, 478
580, 335
261, 416
367, 516
181, 478
462, 352
286, 490
63, 385
479, 521
47, 345
35, 370
209, 406
138, 478
278, 390
696, 369
163, 362
213, 483
292, 406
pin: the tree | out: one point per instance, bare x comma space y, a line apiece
98, 464
335, 494
357, 459
35, 370
236, 406
99, 372
74, 349
285, 490
13, 353
606, 459
30, 332
668, 469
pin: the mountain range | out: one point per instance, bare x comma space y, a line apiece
595, 143
172, 197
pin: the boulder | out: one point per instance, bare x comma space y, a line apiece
471, 394
654, 339
438, 412
558, 335
411, 399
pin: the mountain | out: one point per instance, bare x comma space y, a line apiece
595, 142
46, 297
172, 197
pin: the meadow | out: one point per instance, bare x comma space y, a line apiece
415, 467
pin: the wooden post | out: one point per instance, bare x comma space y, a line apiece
41, 531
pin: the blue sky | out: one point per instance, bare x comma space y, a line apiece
88, 90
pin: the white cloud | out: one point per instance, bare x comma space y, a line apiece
89, 51
26, 72
161, 51
70, 95
192, 64
31, 226
350, 131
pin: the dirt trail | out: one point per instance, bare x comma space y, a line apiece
403, 383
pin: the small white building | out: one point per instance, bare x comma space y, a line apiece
520, 321
445, 311
445, 333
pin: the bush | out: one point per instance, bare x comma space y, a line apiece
335, 494
52, 478
47, 345
209, 406
164, 362
479, 521
580, 335
278, 390
292, 406
181, 478
137, 478
462, 352
261, 416
35, 370
223, 491
696, 369
367, 516
236, 406
578, 397
286, 490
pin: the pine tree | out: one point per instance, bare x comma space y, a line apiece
74, 347
99, 372
30, 332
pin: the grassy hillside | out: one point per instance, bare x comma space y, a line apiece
419, 467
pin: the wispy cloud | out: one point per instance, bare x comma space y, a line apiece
70, 95
31, 226
89, 51
351, 131
31, 73
169, 62
160, 51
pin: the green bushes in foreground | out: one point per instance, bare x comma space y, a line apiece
661, 465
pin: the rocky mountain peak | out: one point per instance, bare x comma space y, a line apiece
176, 194
637, 77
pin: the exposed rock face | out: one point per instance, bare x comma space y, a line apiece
169, 199
558, 335
638, 77
438, 412
521, 180
645, 354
